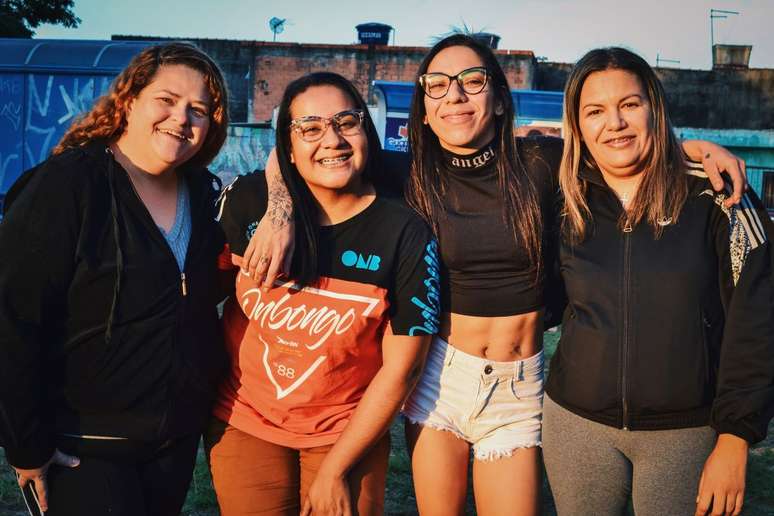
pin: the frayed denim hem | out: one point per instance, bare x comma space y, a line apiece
434, 426
492, 455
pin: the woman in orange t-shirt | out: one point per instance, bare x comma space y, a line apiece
321, 363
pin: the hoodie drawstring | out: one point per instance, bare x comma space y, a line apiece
119, 252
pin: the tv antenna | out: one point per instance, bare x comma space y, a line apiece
660, 60
277, 26
721, 14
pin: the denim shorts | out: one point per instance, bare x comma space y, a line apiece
495, 406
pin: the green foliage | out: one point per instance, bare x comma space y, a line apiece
760, 480
11, 502
19, 17
201, 495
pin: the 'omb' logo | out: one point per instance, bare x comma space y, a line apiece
358, 261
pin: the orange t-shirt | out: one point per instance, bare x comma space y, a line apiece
301, 359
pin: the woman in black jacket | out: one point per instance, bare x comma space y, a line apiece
665, 370
490, 197
109, 352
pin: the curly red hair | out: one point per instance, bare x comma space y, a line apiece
107, 118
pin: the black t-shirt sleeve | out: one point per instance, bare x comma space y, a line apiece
240, 208
395, 172
415, 296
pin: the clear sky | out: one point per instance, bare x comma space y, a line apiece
560, 30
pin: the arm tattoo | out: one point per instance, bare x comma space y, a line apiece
280, 206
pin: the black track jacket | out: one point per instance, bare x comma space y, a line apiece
81, 353
673, 332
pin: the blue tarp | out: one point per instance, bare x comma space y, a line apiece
537, 106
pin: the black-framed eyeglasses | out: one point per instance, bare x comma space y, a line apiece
472, 81
312, 128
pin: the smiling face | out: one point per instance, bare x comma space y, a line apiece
462, 122
334, 162
615, 122
168, 121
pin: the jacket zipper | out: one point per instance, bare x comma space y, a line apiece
627, 230
183, 289
183, 283
705, 325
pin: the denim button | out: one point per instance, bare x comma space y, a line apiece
488, 369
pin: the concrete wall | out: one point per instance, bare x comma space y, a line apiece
713, 99
721, 99
245, 150
257, 72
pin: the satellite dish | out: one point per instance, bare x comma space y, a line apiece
277, 26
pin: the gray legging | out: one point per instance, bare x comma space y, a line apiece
593, 469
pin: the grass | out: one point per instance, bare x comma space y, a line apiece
400, 493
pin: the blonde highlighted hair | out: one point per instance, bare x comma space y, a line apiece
664, 187
107, 118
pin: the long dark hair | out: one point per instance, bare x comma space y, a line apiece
304, 268
521, 209
664, 185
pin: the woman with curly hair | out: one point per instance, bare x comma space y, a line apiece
110, 353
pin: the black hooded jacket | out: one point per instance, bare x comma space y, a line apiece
673, 332
100, 332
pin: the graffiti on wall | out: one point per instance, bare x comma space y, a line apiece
11, 111
37, 109
11, 99
52, 103
245, 150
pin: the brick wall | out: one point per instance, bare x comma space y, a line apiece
277, 64
258, 71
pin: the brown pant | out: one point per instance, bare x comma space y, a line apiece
253, 476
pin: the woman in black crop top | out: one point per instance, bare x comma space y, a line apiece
490, 199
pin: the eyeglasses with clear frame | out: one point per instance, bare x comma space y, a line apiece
471, 80
312, 128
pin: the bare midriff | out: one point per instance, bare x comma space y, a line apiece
500, 339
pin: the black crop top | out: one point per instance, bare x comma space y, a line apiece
486, 274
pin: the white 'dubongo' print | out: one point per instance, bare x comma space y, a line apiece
310, 317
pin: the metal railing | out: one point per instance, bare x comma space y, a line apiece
762, 181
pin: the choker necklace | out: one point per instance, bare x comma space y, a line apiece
478, 159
